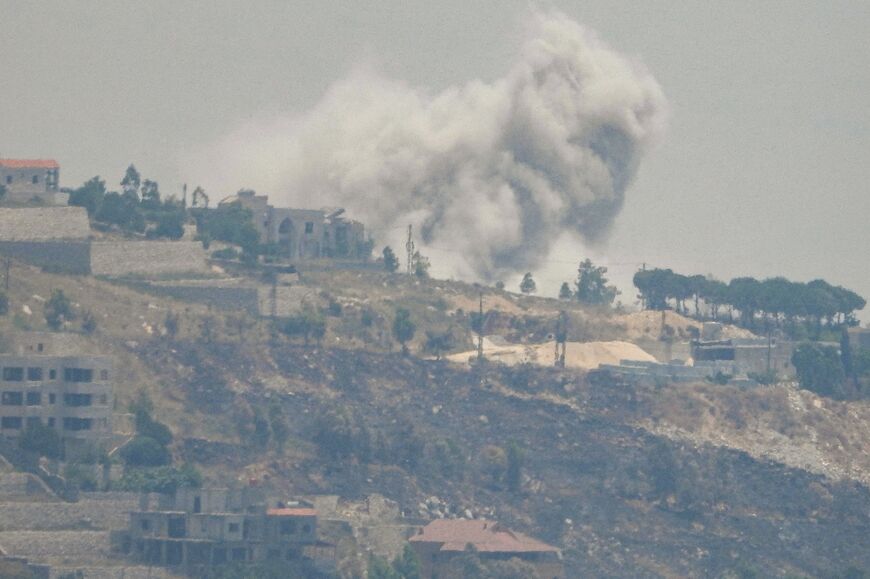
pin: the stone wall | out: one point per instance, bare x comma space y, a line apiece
82, 515
44, 224
57, 256
146, 258
230, 297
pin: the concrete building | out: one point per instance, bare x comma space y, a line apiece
304, 233
198, 528
32, 180
70, 393
745, 356
441, 541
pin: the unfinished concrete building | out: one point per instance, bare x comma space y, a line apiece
198, 528
32, 181
304, 233
42, 383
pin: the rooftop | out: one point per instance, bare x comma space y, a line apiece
485, 536
29, 163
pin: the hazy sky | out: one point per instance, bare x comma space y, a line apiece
764, 168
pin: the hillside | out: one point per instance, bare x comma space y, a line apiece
689, 480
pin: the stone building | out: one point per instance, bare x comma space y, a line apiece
28, 180
441, 541
199, 528
70, 393
304, 233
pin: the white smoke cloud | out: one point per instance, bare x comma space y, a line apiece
491, 172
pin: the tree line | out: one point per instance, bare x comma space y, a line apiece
749, 301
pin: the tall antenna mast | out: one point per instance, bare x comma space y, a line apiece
409, 247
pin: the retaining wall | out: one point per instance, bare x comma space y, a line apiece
58, 256
125, 258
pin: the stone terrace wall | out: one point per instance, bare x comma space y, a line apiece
124, 258
57, 256
44, 224
229, 296
84, 514
137, 572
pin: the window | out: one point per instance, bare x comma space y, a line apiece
8, 179
52, 374
34, 374
51, 398
34, 398
77, 424
288, 527
78, 375
203, 526
104, 375
103, 399
13, 374
306, 528
12, 399
40, 347
240, 554
11, 422
309, 227
234, 528
77, 400
35, 179
51, 422
145, 525
33, 421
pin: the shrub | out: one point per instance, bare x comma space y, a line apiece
164, 479
819, 369
225, 253
81, 476
145, 451
42, 440
58, 309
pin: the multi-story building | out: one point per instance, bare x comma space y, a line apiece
199, 528
439, 543
40, 382
26, 180
304, 233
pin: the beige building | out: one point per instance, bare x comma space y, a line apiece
304, 233
70, 393
441, 541
29, 180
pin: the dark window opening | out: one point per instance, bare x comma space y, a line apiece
288, 527
177, 528
39, 347
34, 374
11, 422
9, 179
12, 399
197, 505
234, 528
51, 398
34, 398
309, 227
51, 422
13, 374
77, 400
145, 524
77, 424
240, 554
52, 374
35, 179
78, 375
104, 374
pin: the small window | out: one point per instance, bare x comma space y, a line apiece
8, 179
13, 374
33, 421
35, 179
309, 227
52, 374
104, 375
51, 398
11, 422
12, 399
40, 347
288, 527
306, 528
145, 524
51, 422
234, 528
240, 554
34, 374
203, 526
34, 398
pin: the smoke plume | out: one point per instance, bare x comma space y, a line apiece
493, 172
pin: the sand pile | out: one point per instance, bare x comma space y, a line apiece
582, 355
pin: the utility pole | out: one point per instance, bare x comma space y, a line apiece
480, 330
561, 339
409, 247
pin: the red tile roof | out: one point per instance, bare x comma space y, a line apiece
485, 536
295, 512
29, 163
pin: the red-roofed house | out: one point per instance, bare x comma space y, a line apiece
27, 179
439, 542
